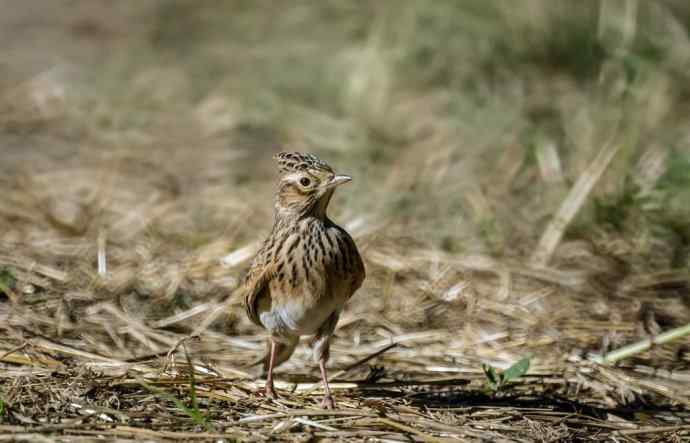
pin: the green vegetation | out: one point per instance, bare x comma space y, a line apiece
496, 380
7, 281
192, 411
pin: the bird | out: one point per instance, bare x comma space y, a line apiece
306, 270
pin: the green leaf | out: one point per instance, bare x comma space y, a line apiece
517, 370
2, 407
7, 280
197, 414
493, 379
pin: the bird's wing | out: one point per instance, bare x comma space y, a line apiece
361, 273
356, 267
255, 286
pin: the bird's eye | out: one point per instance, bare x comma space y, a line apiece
305, 181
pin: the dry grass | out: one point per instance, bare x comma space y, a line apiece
521, 189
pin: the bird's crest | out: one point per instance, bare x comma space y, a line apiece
297, 161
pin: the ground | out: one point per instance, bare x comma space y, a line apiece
521, 192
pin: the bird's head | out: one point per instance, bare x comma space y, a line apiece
306, 184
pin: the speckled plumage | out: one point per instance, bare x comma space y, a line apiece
306, 269
297, 161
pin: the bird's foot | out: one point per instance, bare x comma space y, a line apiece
270, 391
327, 402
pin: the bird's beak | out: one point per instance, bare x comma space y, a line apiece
338, 180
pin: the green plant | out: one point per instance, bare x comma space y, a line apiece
495, 380
7, 281
193, 412
642, 345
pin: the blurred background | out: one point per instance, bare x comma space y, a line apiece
521, 173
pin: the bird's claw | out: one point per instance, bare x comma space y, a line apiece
270, 392
327, 402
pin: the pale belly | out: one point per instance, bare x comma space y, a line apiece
292, 317
302, 313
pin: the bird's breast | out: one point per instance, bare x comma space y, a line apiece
315, 266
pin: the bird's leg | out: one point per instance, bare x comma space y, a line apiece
270, 390
327, 402
322, 344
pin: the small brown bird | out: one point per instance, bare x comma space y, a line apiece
307, 268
